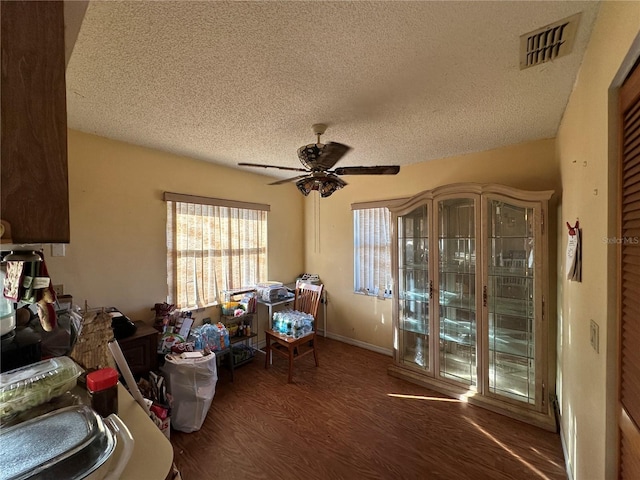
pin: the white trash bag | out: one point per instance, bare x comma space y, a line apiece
192, 384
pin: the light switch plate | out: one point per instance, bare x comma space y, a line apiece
594, 335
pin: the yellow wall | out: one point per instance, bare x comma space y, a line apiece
329, 229
586, 379
117, 255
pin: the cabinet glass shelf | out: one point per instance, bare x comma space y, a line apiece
499, 272
456, 300
414, 295
414, 266
457, 269
414, 326
511, 342
499, 305
415, 349
414, 307
513, 376
414, 251
413, 285
504, 340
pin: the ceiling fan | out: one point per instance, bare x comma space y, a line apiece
318, 159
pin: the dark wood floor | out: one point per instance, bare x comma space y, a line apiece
348, 419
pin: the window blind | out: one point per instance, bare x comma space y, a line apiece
212, 248
372, 250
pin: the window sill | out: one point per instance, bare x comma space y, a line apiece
381, 297
198, 309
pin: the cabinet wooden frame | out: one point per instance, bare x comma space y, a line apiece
480, 195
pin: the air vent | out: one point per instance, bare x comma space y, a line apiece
548, 43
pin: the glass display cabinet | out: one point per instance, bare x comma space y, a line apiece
469, 318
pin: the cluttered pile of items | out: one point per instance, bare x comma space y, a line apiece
58, 371
58, 356
190, 354
179, 336
31, 324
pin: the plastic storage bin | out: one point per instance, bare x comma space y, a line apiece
192, 384
35, 384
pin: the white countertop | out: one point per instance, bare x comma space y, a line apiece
152, 452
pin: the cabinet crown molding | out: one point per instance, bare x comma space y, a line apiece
472, 188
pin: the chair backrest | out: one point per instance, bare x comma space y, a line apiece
307, 298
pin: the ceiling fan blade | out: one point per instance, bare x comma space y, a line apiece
287, 180
331, 153
378, 170
243, 164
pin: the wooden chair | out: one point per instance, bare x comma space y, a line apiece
307, 299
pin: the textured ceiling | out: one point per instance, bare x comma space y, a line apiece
400, 82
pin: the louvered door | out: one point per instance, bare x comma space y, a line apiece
629, 279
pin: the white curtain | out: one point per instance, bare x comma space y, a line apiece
372, 250
213, 248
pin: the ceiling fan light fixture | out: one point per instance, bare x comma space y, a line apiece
329, 185
326, 185
306, 185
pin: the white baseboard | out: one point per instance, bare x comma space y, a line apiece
358, 343
374, 348
567, 465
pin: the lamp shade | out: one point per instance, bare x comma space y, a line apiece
325, 184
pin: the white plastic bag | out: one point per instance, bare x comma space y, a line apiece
192, 384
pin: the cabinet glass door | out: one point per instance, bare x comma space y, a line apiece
511, 316
413, 288
457, 290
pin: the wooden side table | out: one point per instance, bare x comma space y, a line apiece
140, 349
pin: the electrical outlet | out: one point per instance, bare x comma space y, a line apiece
58, 289
594, 335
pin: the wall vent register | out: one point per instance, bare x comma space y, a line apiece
549, 42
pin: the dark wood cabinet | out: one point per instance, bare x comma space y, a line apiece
34, 196
140, 349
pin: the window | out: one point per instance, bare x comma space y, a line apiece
372, 250
213, 245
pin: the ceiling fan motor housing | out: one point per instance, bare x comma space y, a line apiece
310, 154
